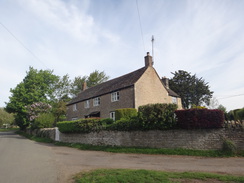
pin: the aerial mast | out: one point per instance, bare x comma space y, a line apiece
152, 49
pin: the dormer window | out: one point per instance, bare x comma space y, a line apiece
115, 96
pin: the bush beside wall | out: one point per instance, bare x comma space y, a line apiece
199, 118
125, 113
80, 126
157, 116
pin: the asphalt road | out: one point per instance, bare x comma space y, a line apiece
26, 161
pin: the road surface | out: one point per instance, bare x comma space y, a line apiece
26, 161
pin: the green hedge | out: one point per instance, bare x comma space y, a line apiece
80, 126
157, 116
125, 113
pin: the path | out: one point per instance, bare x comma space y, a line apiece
58, 164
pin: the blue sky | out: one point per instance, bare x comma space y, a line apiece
75, 37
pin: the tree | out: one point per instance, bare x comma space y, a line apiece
96, 78
192, 90
76, 85
5, 117
37, 86
222, 108
93, 79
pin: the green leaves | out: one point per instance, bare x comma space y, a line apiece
192, 90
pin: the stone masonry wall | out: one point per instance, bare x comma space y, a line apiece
189, 139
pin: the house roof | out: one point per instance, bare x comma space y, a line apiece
109, 86
172, 93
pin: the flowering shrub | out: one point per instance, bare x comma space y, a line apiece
37, 108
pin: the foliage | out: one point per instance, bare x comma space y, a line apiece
44, 120
197, 107
80, 126
106, 121
76, 85
126, 124
199, 118
5, 117
125, 113
95, 78
59, 111
157, 116
37, 108
229, 147
222, 108
240, 114
145, 176
37, 86
191, 89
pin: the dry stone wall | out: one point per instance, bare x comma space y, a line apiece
189, 139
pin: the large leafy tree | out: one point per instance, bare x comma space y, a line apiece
192, 90
95, 78
37, 86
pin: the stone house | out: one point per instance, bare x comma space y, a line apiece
132, 90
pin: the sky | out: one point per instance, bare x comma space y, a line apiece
77, 37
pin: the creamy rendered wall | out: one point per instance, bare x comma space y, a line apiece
149, 89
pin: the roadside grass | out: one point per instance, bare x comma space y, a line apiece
8, 129
145, 176
136, 150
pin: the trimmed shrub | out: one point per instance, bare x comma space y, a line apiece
157, 116
80, 126
125, 113
129, 124
106, 121
199, 118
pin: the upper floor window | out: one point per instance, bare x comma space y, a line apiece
87, 104
115, 96
96, 101
174, 100
75, 107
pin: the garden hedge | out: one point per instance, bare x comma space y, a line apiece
199, 118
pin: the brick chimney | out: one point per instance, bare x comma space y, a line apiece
148, 60
84, 86
165, 82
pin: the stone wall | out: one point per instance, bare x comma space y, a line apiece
189, 139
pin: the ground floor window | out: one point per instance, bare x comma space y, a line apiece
112, 115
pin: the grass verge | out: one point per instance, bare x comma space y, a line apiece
8, 129
136, 150
144, 176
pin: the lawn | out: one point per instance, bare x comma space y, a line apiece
148, 176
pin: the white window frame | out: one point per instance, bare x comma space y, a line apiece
96, 101
75, 107
174, 100
112, 115
115, 96
87, 104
